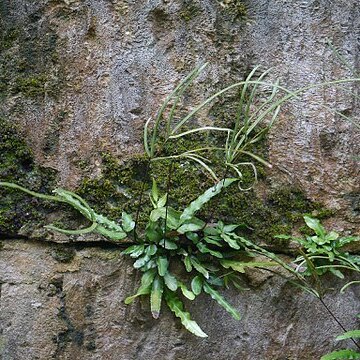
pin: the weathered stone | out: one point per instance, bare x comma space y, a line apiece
76, 311
82, 77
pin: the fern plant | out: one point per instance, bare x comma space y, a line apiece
179, 254
210, 254
324, 252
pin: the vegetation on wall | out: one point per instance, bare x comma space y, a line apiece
177, 242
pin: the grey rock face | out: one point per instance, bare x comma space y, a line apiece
73, 309
81, 77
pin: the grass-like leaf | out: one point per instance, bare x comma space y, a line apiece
177, 307
355, 282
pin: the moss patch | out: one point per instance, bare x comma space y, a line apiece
63, 254
121, 184
29, 61
189, 10
17, 165
30, 86
236, 9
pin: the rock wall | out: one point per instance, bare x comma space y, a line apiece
68, 303
79, 78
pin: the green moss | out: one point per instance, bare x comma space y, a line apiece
17, 165
30, 86
189, 10
63, 254
107, 255
8, 38
29, 61
121, 184
235, 8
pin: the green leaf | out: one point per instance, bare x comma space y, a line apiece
73, 232
346, 240
186, 292
162, 201
232, 242
156, 296
127, 222
194, 237
173, 216
132, 249
149, 265
230, 228
153, 232
156, 214
205, 250
136, 251
315, 225
145, 287
201, 269
168, 245
349, 334
170, 281
221, 301
196, 285
197, 204
154, 191
214, 240
177, 307
212, 230
140, 262
240, 266
345, 354
331, 236
162, 264
151, 250
342, 290
114, 235
187, 263
337, 273
191, 225
76, 202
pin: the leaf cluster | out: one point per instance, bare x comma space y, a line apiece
182, 256
324, 252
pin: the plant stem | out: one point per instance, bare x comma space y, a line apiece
140, 199
168, 185
337, 320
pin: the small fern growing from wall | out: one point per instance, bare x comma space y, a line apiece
179, 254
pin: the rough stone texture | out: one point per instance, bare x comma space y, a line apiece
75, 310
81, 77
101, 68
